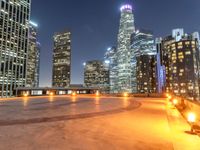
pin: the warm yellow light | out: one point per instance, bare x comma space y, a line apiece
167, 95
25, 94
125, 94
175, 101
191, 118
51, 94
74, 94
97, 93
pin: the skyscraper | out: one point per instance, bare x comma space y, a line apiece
33, 62
126, 29
62, 59
142, 43
96, 74
14, 30
180, 57
146, 74
111, 58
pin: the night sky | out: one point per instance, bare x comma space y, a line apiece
94, 25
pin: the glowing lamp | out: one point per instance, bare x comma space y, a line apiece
175, 101
125, 94
191, 118
25, 95
74, 94
51, 94
97, 93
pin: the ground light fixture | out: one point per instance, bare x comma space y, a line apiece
51, 94
25, 94
175, 101
97, 93
125, 94
73, 93
191, 119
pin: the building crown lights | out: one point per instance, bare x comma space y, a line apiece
126, 7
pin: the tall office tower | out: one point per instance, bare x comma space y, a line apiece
142, 43
111, 59
146, 74
126, 29
96, 74
160, 76
33, 62
62, 59
180, 56
14, 28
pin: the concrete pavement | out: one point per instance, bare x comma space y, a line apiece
109, 123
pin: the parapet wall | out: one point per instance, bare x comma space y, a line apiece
186, 106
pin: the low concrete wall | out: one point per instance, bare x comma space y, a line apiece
138, 95
185, 106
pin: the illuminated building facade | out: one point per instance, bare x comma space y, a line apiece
96, 75
180, 57
126, 29
62, 59
111, 58
146, 74
142, 43
33, 57
14, 30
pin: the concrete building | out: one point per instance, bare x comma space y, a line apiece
14, 30
33, 63
146, 74
62, 59
96, 74
111, 59
180, 58
126, 29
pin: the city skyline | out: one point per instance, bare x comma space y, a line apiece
94, 21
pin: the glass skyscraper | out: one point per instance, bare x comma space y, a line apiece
142, 43
111, 59
126, 29
33, 57
14, 30
96, 75
62, 60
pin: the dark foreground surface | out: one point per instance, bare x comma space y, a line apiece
88, 123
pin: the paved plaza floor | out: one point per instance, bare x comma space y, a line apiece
92, 123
